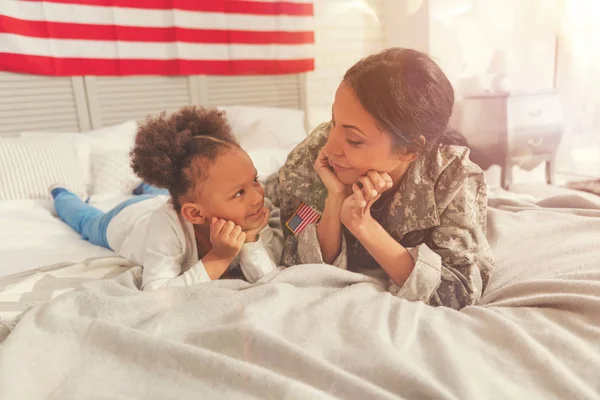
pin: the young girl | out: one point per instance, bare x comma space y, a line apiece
215, 213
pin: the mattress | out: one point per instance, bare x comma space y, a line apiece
32, 237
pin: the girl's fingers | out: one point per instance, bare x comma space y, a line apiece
228, 228
217, 227
236, 232
241, 239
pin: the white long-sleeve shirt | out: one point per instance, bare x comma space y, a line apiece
152, 234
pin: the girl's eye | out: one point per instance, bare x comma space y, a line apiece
256, 180
353, 143
239, 194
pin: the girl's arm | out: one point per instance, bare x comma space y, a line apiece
164, 257
261, 253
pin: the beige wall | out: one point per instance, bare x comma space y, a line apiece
345, 31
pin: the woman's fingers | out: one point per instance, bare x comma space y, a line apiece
358, 196
388, 180
368, 188
378, 180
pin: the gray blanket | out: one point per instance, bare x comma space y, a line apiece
316, 332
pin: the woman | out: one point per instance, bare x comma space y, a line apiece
394, 186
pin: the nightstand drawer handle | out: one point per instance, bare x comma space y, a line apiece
535, 113
536, 142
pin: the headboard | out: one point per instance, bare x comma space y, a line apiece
78, 104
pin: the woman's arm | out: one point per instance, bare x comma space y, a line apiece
393, 258
452, 270
329, 229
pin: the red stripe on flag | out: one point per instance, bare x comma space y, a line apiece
60, 30
308, 216
309, 220
110, 67
223, 6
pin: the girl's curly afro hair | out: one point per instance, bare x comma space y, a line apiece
175, 151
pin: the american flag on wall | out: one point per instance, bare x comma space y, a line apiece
156, 37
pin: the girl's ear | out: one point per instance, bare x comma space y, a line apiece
194, 213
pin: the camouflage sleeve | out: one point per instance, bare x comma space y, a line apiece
303, 248
453, 268
299, 183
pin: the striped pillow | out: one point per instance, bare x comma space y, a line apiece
29, 165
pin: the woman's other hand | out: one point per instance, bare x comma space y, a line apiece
335, 187
356, 209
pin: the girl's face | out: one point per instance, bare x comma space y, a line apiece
356, 144
232, 191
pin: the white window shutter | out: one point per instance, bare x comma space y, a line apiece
42, 103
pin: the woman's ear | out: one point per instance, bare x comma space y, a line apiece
194, 213
410, 153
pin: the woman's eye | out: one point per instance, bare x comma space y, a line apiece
256, 180
353, 143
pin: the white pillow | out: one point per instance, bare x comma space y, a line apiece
112, 173
261, 128
268, 161
110, 162
82, 150
104, 156
28, 166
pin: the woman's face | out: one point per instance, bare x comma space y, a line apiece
356, 144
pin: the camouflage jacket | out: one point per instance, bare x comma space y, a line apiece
438, 214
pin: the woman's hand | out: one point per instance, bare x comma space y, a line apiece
252, 235
226, 238
356, 209
335, 187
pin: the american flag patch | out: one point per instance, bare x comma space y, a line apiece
303, 216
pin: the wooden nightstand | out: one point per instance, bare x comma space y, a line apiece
513, 129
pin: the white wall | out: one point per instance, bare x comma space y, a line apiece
476, 41
345, 31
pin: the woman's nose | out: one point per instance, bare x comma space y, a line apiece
334, 143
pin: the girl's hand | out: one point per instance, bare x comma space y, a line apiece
356, 209
226, 238
252, 235
334, 186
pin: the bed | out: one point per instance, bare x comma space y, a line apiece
74, 324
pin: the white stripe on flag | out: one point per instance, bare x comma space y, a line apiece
308, 216
98, 15
68, 48
309, 220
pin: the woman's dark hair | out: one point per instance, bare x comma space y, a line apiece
176, 151
408, 95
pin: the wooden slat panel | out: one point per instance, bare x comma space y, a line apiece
264, 90
120, 99
29, 102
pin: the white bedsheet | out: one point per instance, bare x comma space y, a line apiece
31, 236
317, 332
